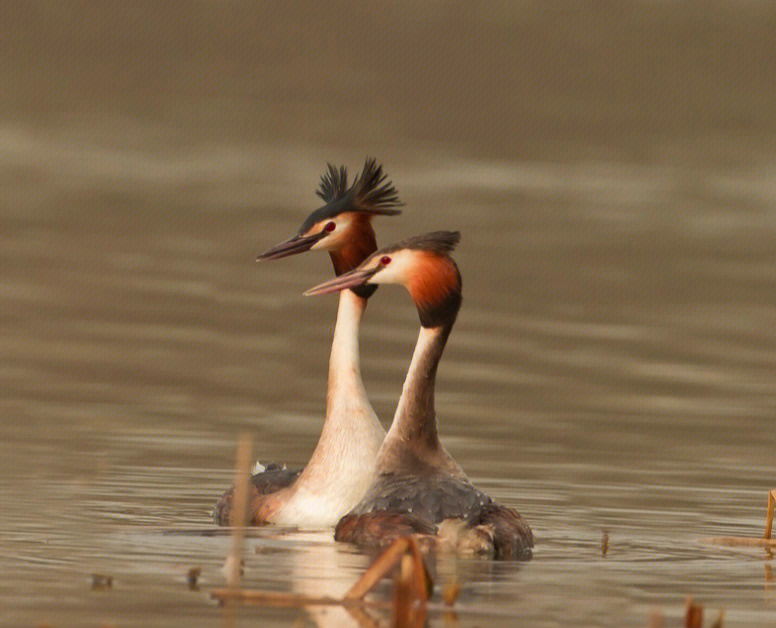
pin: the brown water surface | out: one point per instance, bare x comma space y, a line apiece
611, 167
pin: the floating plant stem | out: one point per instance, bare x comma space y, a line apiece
241, 477
693, 613
765, 541
411, 591
769, 516
233, 563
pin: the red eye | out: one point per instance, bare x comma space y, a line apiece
330, 226
385, 260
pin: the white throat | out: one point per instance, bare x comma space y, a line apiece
342, 466
345, 361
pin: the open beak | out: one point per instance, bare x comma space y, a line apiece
292, 246
353, 279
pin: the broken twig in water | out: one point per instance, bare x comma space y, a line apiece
386, 561
101, 582
409, 610
415, 582
411, 591
422, 585
233, 563
655, 619
693, 614
743, 541
769, 516
604, 542
766, 541
253, 597
450, 592
192, 578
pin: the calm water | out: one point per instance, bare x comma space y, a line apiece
614, 363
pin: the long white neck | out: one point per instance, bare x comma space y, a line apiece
342, 466
349, 415
344, 361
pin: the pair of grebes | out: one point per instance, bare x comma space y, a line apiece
373, 486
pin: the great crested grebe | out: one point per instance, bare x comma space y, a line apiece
342, 465
419, 488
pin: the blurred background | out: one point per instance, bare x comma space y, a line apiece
612, 169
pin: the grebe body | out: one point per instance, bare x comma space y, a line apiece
418, 486
343, 463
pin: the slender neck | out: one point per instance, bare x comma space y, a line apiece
341, 466
415, 419
344, 361
345, 385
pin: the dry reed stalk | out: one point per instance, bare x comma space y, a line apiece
422, 583
766, 541
746, 541
279, 599
719, 622
403, 599
387, 561
362, 618
409, 610
415, 582
450, 592
769, 516
655, 619
379, 567
101, 582
693, 614
233, 563
192, 578
241, 479
252, 597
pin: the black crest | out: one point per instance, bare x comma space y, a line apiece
371, 193
442, 242
334, 183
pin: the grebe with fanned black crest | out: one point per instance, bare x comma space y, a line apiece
342, 465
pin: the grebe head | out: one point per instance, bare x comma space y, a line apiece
422, 265
343, 225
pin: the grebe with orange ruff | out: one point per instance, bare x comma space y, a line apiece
418, 487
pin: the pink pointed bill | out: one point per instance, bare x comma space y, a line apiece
353, 279
292, 246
